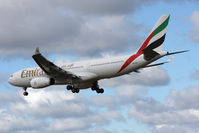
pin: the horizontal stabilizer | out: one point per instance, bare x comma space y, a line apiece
169, 60
178, 52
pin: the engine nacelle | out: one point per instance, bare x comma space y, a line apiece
41, 82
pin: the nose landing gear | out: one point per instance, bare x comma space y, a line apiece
25, 91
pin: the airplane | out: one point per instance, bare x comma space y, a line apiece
86, 74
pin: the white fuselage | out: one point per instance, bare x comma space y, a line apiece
88, 71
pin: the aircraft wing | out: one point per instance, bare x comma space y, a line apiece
50, 68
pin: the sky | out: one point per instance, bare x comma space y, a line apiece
158, 100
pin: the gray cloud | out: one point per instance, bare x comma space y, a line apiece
145, 105
54, 110
103, 7
184, 99
28, 24
8, 98
77, 28
179, 114
101, 130
129, 94
105, 101
67, 26
84, 122
106, 7
45, 104
13, 123
130, 87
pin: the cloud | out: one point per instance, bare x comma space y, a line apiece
129, 94
105, 101
194, 34
83, 122
72, 124
101, 130
103, 7
68, 27
179, 114
8, 98
34, 25
45, 104
184, 99
14, 123
54, 110
130, 87
88, 29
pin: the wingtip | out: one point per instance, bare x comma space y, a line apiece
37, 51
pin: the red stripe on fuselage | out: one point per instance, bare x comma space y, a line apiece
139, 52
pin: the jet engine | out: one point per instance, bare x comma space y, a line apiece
41, 82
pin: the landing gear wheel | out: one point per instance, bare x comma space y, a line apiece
75, 90
69, 87
93, 89
25, 93
98, 90
101, 90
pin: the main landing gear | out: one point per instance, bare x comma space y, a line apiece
96, 88
72, 88
25, 91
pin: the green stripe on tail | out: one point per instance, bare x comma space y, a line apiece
162, 26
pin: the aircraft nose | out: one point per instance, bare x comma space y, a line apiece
10, 81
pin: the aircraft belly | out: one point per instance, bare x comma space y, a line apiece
24, 82
84, 85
